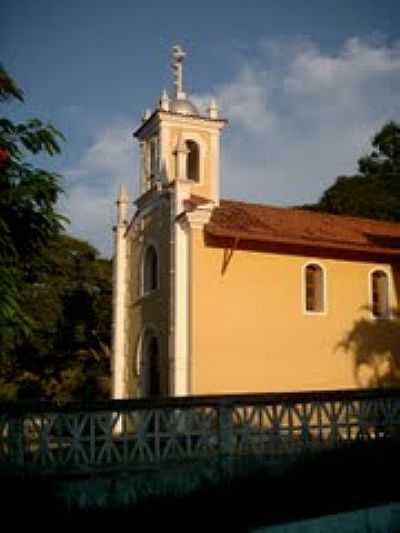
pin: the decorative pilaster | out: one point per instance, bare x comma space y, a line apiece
164, 101
213, 109
181, 153
119, 297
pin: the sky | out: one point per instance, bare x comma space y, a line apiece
303, 84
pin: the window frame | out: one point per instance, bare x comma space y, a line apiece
324, 291
143, 292
389, 311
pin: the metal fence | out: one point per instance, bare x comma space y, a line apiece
142, 433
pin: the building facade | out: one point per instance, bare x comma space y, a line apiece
214, 296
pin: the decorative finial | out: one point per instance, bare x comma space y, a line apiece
164, 101
213, 108
123, 195
146, 115
178, 55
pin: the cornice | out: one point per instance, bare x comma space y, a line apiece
170, 118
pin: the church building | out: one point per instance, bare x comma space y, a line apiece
215, 296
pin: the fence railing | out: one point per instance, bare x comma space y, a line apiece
136, 433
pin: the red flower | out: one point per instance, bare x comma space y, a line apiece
4, 157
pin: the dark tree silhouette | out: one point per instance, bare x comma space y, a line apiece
375, 347
375, 191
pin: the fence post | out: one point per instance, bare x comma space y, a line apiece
226, 441
16, 440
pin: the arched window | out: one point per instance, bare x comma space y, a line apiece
314, 289
150, 270
154, 368
193, 161
380, 294
150, 365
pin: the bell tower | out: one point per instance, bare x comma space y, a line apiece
178, 143
178, 189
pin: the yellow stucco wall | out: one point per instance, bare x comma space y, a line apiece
250, 333
152, 309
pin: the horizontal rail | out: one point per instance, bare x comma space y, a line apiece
45, 437
22, 406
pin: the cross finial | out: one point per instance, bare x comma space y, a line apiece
178, 55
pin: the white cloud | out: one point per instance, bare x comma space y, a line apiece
93, 183
246, 100
92, 215
111, 153
313, 114
299, 116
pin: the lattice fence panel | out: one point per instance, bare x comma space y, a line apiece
181, 431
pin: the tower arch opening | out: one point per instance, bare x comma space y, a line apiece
151, 365
149, 270
193, 161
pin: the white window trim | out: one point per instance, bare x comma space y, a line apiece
142, 292
195, 137
388, 273
303, 289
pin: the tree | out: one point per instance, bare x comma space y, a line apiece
28, 217
55, 305
67, 355
375, 191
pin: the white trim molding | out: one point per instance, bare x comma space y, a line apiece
119, 314
390, 293
201, 216
182, 315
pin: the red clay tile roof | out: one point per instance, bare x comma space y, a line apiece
281, 227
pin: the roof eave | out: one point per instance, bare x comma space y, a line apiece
259, 242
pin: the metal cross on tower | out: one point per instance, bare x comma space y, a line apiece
178, 55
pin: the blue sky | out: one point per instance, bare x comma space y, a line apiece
304, 85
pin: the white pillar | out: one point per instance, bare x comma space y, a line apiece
164, 101
181, 153
181, 318
213, 109
215, 166
119, 298
179, 340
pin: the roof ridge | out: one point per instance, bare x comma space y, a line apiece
319, 214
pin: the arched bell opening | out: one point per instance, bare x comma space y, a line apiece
193, 161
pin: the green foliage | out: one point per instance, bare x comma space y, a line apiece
55, 305
67, 354
375, 191
8, 87
28, 218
